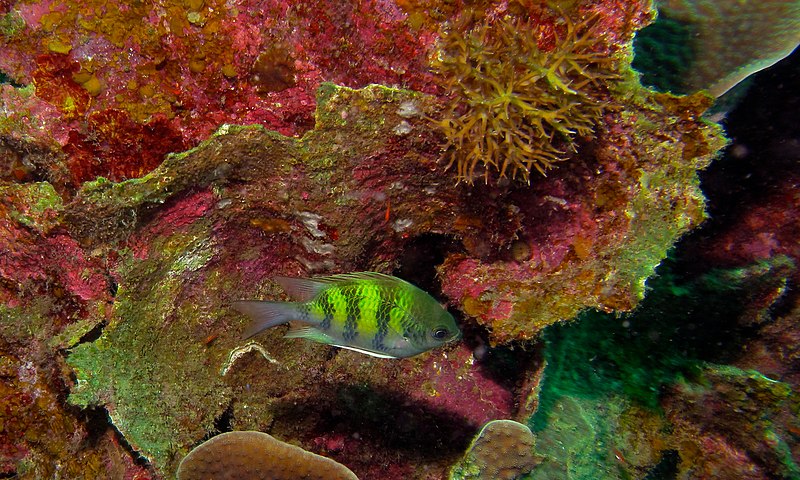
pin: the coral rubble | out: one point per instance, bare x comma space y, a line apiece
253, 455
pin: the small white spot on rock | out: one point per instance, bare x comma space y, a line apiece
408, 109
402, 128
402, 224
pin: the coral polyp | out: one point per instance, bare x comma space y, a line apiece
514, 106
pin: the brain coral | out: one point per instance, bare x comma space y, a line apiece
255, 455
503, 450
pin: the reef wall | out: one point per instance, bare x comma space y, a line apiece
161, 160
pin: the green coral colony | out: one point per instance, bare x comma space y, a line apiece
516, 107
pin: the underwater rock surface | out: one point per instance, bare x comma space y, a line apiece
130, 220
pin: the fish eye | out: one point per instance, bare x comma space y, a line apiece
440, 333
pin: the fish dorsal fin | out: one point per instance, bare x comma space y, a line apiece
301, 289
306, 289
355, 276
310, 333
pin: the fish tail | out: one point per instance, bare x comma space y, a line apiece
264, 315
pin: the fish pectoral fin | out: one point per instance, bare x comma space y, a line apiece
365, 352
310, 333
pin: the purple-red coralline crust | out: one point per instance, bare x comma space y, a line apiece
456, 385
46, 262
761, 230
124, 101
173, 219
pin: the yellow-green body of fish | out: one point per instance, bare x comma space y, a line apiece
369, 312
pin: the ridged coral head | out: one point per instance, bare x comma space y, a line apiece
255, 455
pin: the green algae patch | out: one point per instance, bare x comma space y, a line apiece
667, 201
11, 24
35, 205
148, 368
617, 387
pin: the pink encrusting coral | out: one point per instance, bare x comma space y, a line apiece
448, 383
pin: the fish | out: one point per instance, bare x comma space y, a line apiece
369, 312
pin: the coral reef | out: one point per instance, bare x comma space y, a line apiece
253, 455
742, 422
178, 276
156, 78
515, 106
128, 228
503, 450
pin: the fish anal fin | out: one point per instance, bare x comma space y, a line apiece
364, 351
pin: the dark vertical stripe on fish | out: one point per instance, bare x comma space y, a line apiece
304, 310
353, 298
327, 309
384, 315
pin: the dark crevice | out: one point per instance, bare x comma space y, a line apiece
97, 422
384, 419
113, 287
6, 79
224, 422
421, 256
138, 459
667, 467
92, 334
759, 166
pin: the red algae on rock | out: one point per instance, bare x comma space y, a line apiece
177, 70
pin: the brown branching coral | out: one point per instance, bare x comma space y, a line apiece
513, 102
